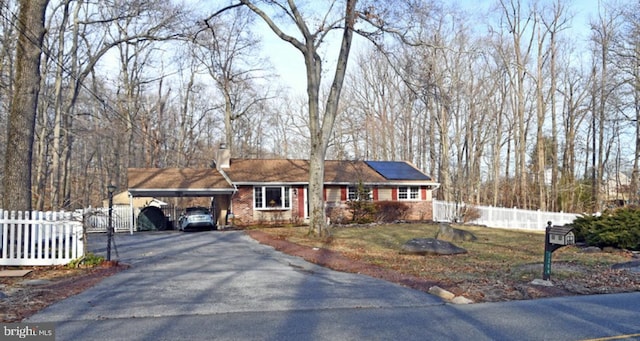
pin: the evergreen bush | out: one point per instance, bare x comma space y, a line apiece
619, 228
362, 211
361, 207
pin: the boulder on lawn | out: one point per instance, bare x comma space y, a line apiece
430, 246
450, 234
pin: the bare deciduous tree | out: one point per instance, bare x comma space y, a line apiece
603, 96
228, 50
627, 57
320, 121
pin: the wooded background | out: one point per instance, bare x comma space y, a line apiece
529, 104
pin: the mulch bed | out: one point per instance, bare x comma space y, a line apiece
60, 283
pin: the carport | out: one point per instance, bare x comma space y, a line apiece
183, 182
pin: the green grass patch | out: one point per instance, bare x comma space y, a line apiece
88, 260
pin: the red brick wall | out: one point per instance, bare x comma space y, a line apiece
420, 210
242, 205
245, 215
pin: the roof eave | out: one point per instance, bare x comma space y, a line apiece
340, 183
179, 192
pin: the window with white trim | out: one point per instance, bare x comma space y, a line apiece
409, 193
355, 193
272, 197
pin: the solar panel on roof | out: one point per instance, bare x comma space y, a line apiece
396, 170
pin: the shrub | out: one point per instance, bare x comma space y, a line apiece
470, 213
336, 215
362, 211
619, 228
361, 207
390, 211
88, 260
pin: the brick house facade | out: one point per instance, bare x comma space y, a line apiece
267, 191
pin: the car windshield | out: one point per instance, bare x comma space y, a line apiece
197, 210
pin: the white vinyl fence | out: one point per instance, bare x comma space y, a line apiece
97, 219
39, 238
501, 217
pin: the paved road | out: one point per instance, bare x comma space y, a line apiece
222, 285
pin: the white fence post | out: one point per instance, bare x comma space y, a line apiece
4, 234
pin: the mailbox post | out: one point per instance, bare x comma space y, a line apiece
555, 237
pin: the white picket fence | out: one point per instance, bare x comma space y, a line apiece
40, 238
55, 238
501, 217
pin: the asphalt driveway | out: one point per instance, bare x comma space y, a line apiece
177, 275
222, 285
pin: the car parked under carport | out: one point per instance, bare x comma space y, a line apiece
196, 218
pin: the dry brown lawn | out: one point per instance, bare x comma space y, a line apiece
498, 266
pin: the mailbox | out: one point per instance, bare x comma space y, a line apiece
560, 235
555, 237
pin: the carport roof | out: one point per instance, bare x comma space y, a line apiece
177, 182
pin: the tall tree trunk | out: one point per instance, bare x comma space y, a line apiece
24, 104
497, 145
59, 130
594, 169
42, 167
554, 122
443, 167
567, 178
635, 173
228, 113
540, 139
